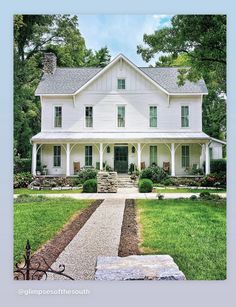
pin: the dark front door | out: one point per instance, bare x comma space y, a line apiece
121, 159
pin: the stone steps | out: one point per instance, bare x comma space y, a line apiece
126, 182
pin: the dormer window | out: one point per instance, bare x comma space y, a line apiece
121, 84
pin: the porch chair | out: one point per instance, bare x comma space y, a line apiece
166, 166
76, 167
142, 165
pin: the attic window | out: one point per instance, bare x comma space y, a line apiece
121, 84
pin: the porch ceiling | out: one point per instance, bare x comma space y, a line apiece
116, 137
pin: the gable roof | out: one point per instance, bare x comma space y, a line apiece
70, 81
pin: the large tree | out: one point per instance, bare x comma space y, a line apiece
34, 35
199, 42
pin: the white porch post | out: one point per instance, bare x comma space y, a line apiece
34, 158
172, 159
101, 156
139, 156
68, 159
207, 159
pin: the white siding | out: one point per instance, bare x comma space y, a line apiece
137, 97
217, 150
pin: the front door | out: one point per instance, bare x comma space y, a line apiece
121, 159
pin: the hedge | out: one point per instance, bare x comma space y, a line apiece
218, 165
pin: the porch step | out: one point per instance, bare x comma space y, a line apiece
126, 182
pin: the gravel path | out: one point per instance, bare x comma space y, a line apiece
100, 236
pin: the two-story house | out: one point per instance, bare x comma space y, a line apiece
118, 115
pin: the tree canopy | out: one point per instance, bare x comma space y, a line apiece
198, 42
33, 36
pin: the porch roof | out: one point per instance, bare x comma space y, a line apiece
91, 136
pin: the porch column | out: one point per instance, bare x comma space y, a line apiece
68, 159
139, 156
34, 159
101, 156
207, 159
172, 159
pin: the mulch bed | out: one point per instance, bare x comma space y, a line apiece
129, 232
52, 249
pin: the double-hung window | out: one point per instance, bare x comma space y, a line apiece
121, 116
153, 116
57, 117
89, 117
153, 155
121, 84
57, 156
185, 156
184, 116
88, 155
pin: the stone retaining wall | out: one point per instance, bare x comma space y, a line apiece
107, 182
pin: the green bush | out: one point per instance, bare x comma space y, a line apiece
214, 180
90, 186
22, 180
168, 181
145, 185
208, 196
86, 174
218, 165
193, 197
22, 165
154, 173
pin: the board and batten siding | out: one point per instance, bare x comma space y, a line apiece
138, 96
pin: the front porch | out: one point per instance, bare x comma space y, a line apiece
67, 158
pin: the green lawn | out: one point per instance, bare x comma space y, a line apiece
39, 219
192, 232
186, 190
28, 191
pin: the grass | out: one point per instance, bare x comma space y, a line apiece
192, 232
186, 190
39, 219
28, 191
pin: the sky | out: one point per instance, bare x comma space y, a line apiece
120, 33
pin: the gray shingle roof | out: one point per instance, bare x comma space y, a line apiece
69, 80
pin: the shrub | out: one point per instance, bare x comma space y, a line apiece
86, 174
208, 196
22, 180
193, 197
154, 173
168, 181
214, 180
90, 186
21, 165
145, 186
218, 165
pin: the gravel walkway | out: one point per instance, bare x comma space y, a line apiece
100, 236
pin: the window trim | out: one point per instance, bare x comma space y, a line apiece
85, 106
54, 114
117, 81
117, 106
85, 156
153, 145
185, 156
55, 166
149, 107
185, 105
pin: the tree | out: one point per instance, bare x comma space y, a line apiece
33, 36
199, 42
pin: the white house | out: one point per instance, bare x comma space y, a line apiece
118, 115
